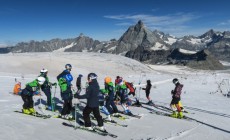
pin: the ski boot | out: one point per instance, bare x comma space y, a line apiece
180, 115
89, 128
174, 114
26, 111
101, 128
32, 110
49, 108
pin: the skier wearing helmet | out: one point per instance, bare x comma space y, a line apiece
64, 81
46, 87
176, 99
92, 105
28, 92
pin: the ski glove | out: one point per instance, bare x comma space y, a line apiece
36, 92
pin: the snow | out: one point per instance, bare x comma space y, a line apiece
187, 51
159, 46
66, 47
201, 96
171, 40
194, 41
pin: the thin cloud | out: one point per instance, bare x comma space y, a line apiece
175, 24
225, 23
151, 20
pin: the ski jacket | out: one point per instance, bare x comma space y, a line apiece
78, 82
148, 88
130, 86
65, 86
177, 91
102, 96
122, 92
31, 88
46, 84
110, 89
91, 94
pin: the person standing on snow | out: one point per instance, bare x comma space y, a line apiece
103, 95
110, 105
78, 83
147, 91
28, 92
123, 94
176, 93
132, 92
46, 87
92, 105
64, 81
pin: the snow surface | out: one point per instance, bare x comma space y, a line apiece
201, 96
171, 40
194, 41
187, 51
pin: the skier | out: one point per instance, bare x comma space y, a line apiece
147, 91
103, 95
110, 105
117, 80
122, 93
28, 92
46, 87
132, 92
78, 83
64, 81
176, 99
17, 88
92, 105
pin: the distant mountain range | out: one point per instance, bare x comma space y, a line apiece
142, 44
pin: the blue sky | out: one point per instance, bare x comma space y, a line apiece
25, 20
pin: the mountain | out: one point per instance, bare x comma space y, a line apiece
138, 42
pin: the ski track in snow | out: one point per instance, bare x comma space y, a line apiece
181, 134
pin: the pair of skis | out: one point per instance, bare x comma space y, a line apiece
38, 115
95, 130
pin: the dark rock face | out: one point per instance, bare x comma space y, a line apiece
200, 60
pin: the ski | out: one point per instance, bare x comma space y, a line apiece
114, 123
95, 130
120, 117
38, 115
131, 115
59, 117
106, 132
169, 115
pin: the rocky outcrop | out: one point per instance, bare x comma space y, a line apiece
200, 60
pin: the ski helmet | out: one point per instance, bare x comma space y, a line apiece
175, 81
43, 70
69, 77
108, 79
68, 66
41, 80
92, 76
80, 75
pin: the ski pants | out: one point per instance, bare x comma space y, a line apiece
110, 105
48, 95
67, 107
104, 110
28, 101
86, 115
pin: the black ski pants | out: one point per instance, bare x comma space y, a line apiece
86, 115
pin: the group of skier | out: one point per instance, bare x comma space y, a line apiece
103, 100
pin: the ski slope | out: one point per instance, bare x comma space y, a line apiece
201, 97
